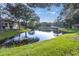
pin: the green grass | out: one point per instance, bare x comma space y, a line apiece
9, 33
68, 30
64, 45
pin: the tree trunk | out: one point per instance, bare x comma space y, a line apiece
25, 34
26, 28
19, 29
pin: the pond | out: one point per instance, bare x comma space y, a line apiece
41, 35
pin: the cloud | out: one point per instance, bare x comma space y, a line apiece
52, 12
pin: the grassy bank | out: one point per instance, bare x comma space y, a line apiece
67, 44
9, 33
69, 30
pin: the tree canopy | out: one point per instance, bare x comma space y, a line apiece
70, 14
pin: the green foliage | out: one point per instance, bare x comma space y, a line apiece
24, 12
69, 16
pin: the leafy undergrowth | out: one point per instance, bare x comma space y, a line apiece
64, 45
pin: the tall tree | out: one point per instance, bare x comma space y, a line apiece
21, 11
70, 14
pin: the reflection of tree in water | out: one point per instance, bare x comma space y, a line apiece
12, 43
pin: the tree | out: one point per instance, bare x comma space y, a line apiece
43, 5
70, 14
33, 23
21, 11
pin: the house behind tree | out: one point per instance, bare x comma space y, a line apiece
8, 24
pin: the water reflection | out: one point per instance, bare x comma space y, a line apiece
33, 36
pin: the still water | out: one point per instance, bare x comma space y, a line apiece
42, 35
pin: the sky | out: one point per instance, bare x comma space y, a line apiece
48, 15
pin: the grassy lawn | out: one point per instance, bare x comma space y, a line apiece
68, 30
9, 33
67, 44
